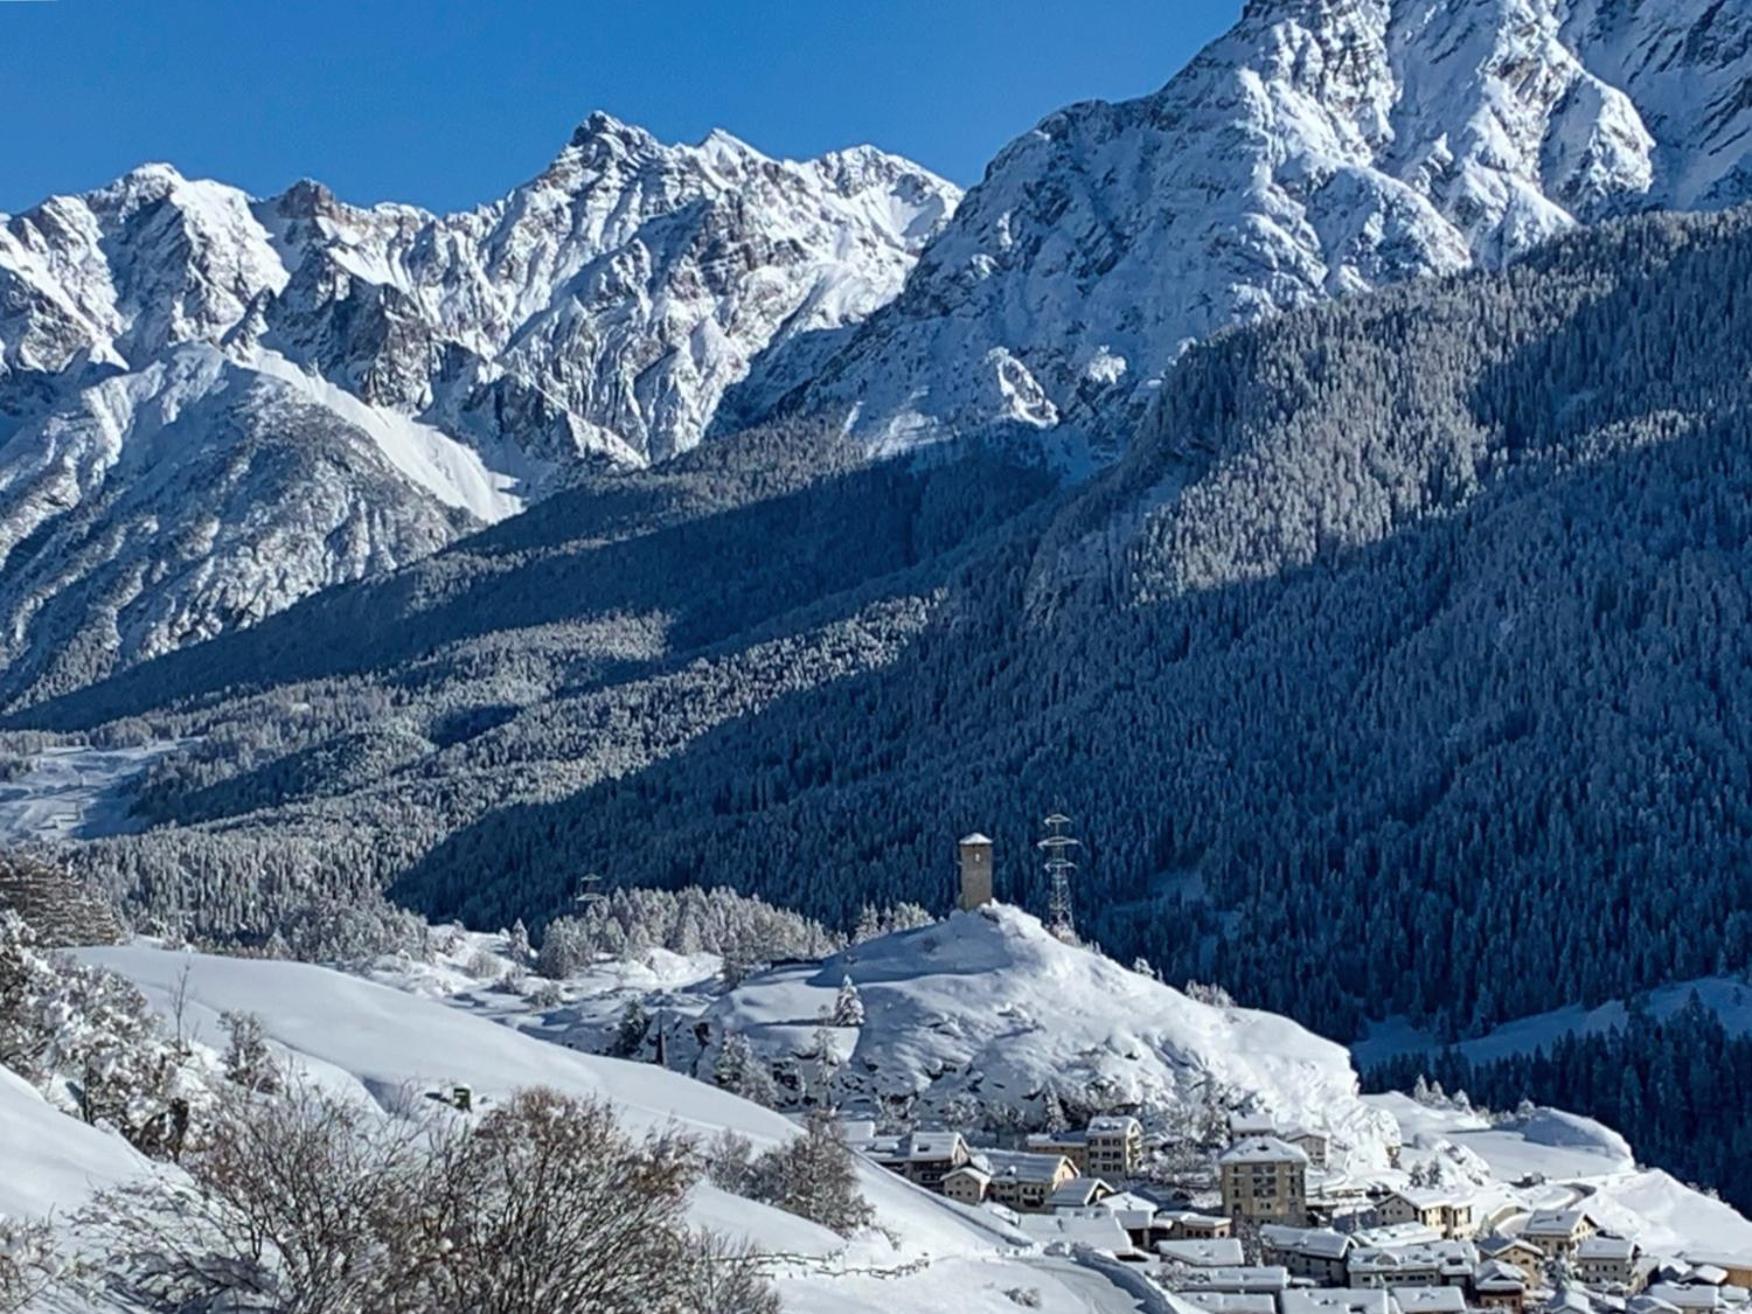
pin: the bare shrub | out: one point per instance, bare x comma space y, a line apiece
305, 1203
27, 1263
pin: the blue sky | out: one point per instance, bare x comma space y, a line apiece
448, 104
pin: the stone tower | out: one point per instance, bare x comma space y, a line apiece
976, 872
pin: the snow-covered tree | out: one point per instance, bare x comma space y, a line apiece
815, 1177
848, 1006
629, 1036
247, 1059
739, 1070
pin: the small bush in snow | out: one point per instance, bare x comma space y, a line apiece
28, 1263
542, 1206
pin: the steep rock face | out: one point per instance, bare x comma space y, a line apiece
1321, 147
211, 406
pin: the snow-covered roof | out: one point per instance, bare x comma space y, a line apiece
978, 1174
1215, 1252
975, 838
1686, 1297
1320, 1242
1077, 1193
1397, 1234
1019, 1166
1234, 1302
1251, 1124
1608, 1247
1497, 1244
1434, 1197
1254, 1278
1429, 1300
1056, 1140
1126, 1202
1495, 1275
1434, 1257
1114, 1124
1335, 1300
1095, 1228
930, 1145
1263, 1149
1556, 1222
1191, 1218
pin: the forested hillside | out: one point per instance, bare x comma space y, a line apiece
1410, 638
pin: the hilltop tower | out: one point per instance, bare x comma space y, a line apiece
976, 872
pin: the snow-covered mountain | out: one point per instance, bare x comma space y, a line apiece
1321, 147
212, 405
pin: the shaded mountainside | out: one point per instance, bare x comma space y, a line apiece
213, 405
1319, 148
1410, 636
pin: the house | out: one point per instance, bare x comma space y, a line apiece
1397, 1234
1243, 1280
1095, 1229
1265, 1179
1334, 1300
1429, 1300
1737, 1267
1115, 1146
967, 1184
1433, 1264
924, 1157
1689, 1299
1074, 1145
1318, 1253
1523, 1255
1190, 1225
1077, 1194
1232, 1302
1498, 1284
1244, 1126
1448, 1212
1315, 1144
1606, 1261
1225, 1253
1557, 1232
1024, 1181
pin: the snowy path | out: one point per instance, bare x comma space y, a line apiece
75, 793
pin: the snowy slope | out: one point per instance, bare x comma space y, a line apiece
53, 1162
212, 406
1729, 999
1580, 1162
374, 1042
1321, 147
989, 1006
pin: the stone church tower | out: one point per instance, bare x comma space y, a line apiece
976, 872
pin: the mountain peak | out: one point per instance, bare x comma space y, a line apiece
1319, 148
599, 126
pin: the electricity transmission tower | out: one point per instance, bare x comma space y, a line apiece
1059, 867
589, 894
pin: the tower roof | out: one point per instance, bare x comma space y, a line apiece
975, 838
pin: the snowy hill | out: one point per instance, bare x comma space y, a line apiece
213, 405
1563, 1159
1321, 147
371, 1042
989, 1007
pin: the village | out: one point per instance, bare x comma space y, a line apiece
1275, 1241
1277, 1222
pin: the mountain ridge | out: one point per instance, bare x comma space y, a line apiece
1320, 148
450, 369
